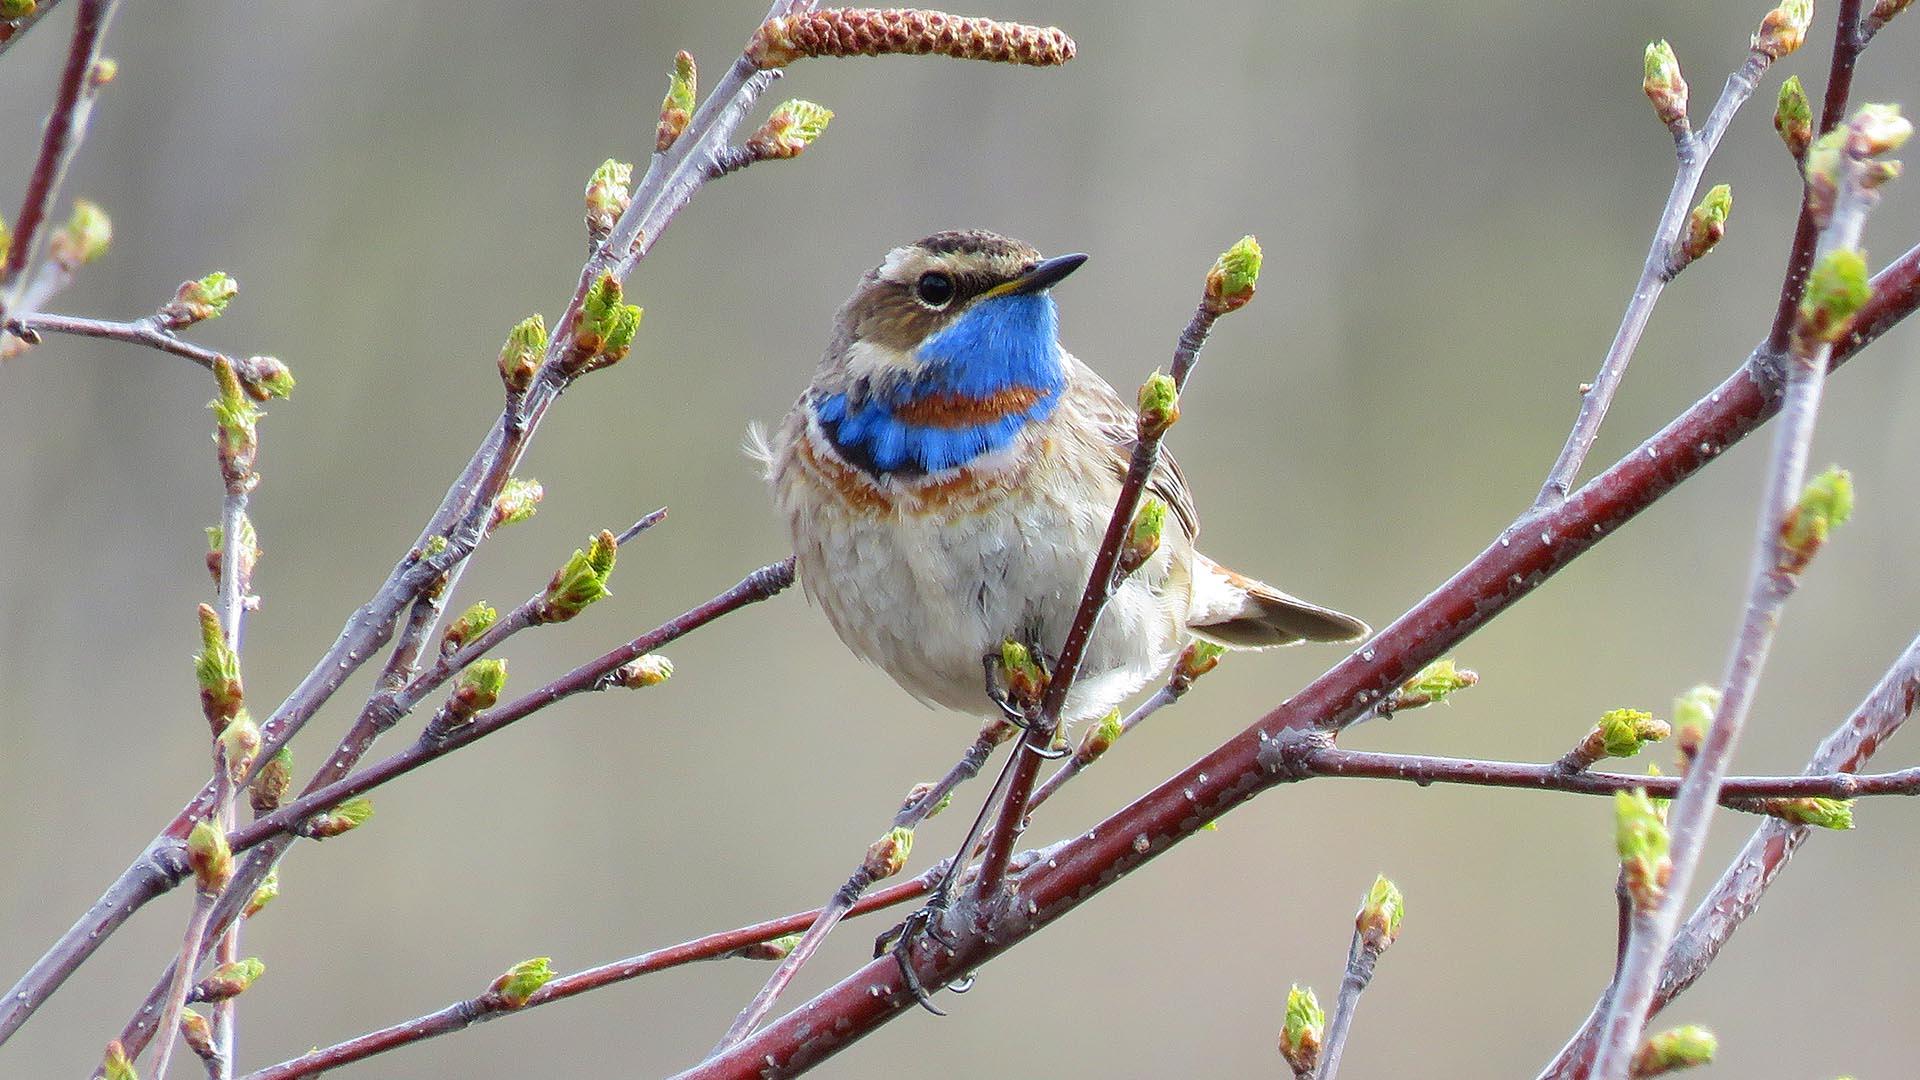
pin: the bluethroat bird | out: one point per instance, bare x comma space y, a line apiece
948, 476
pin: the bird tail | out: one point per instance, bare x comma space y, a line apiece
1234, 610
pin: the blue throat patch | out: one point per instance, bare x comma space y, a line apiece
999, 345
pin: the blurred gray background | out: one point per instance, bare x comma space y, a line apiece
1454, 201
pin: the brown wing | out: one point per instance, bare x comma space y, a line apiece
1117, 424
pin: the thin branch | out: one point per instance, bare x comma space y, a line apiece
1736, 792
1766, 853
463, 1014
1847, 44
1101, 585
917, 809
1774, 577
66, 126
595, 675
1525, 555
147, 331
1694, 150
1362, 956
1077, 763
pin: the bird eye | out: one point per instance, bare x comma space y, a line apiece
934, 289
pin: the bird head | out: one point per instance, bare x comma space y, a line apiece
968, 309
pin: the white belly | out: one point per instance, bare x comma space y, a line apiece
928, 595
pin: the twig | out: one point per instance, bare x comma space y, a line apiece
237, 555
1774, 576
12, 31
1503, 573
1694, 150
463, 1014
595, 675
66, 126
146, 331
1075, 764
1847, 44
176, 998
1766, 853
458, 520
1101, 585
1736, 792
918, 808
1374, 929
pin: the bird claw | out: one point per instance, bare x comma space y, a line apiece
899, 941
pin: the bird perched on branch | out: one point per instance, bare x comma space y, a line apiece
950, 472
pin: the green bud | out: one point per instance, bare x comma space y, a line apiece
1434, 684
642, 672
777, 949
239, 745
83, 238
1099, 738
1693, 714
264, 377
1303, 1030
1640, 835
677, 107
1664, 85
1143, 536
209, 857
1877, 129
198, 301
228, 980
1379, 918
1199, 658
197, 1033
1159, 405
520, 356
116, 1065
268, 891
217, 670
1624, 731
1231, 282
235, 419
609, 193
517, 502
1821, 813
792, 127
1707, 223
1825, 504
888, 854
248, 550
1024, 677
620, 332
471, 624
1793, 117
518, 983
104, 70
479, 687
344, 818
272, 782
1784, 29
1836, 289
581, 581
605, 329
1680, 1048
6, 236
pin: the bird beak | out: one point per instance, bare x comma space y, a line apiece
1044, 275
